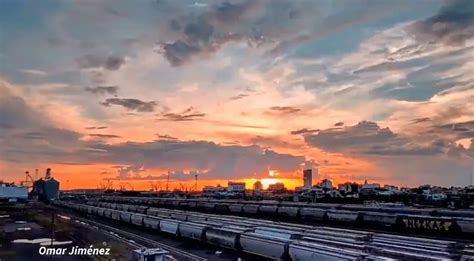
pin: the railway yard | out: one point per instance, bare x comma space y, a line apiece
288, 231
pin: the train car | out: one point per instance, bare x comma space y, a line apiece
466, 225
278, 232
285, 211
152, 211
169, 226
454, 213
132, 208
209, 206
137, 219
262, 245
343, 216
250, 208
269, 210
379, 219
108, 213
100, 212
178, 216
183, 204
201, 205
192, 204
197, 218
236, 208
115, 215
192, 230
426, 223
313, 214
151, 222
307, 251
175, 203
141, 209
222, 208
226, 236
161, 201
125, 216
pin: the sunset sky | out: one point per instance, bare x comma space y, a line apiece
130, 91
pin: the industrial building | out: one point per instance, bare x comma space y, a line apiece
46, 188
11, 193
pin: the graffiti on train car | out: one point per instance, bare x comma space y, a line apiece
426, 224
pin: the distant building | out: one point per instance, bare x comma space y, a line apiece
348, 187
372, 186
308, 178
46, 189
213, 189
257, 186
236, 186
277, 187
12, 193
369, 188
326, 184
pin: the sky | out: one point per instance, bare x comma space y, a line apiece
134, 91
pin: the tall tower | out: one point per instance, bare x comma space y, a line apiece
308, 178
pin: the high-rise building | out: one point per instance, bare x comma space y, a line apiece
308, 178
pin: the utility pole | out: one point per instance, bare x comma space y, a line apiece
167, 181
196, 182
52, 229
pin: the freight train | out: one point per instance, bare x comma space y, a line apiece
275, 240
437, 221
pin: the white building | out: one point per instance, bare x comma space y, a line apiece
235, 186
370, 186
11, 193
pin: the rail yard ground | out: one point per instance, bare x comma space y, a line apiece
197, 234
263, 237
32, 222
25, 228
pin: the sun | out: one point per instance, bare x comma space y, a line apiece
268, 181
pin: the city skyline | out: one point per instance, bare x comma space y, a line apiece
237, 90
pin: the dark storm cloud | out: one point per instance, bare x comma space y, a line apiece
131, 104
111, 63
216, 161
256, 23
96, 127
453, 24
33, 138
270, 142
102, 90
420, 120
166, 137
456, 130
105, 136
304, 131
368, 138
360, 135
238, 97
283, 110
190, 114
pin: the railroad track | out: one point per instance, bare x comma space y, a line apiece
277, 240
127, 237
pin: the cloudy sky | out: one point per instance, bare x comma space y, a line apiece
133, 90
